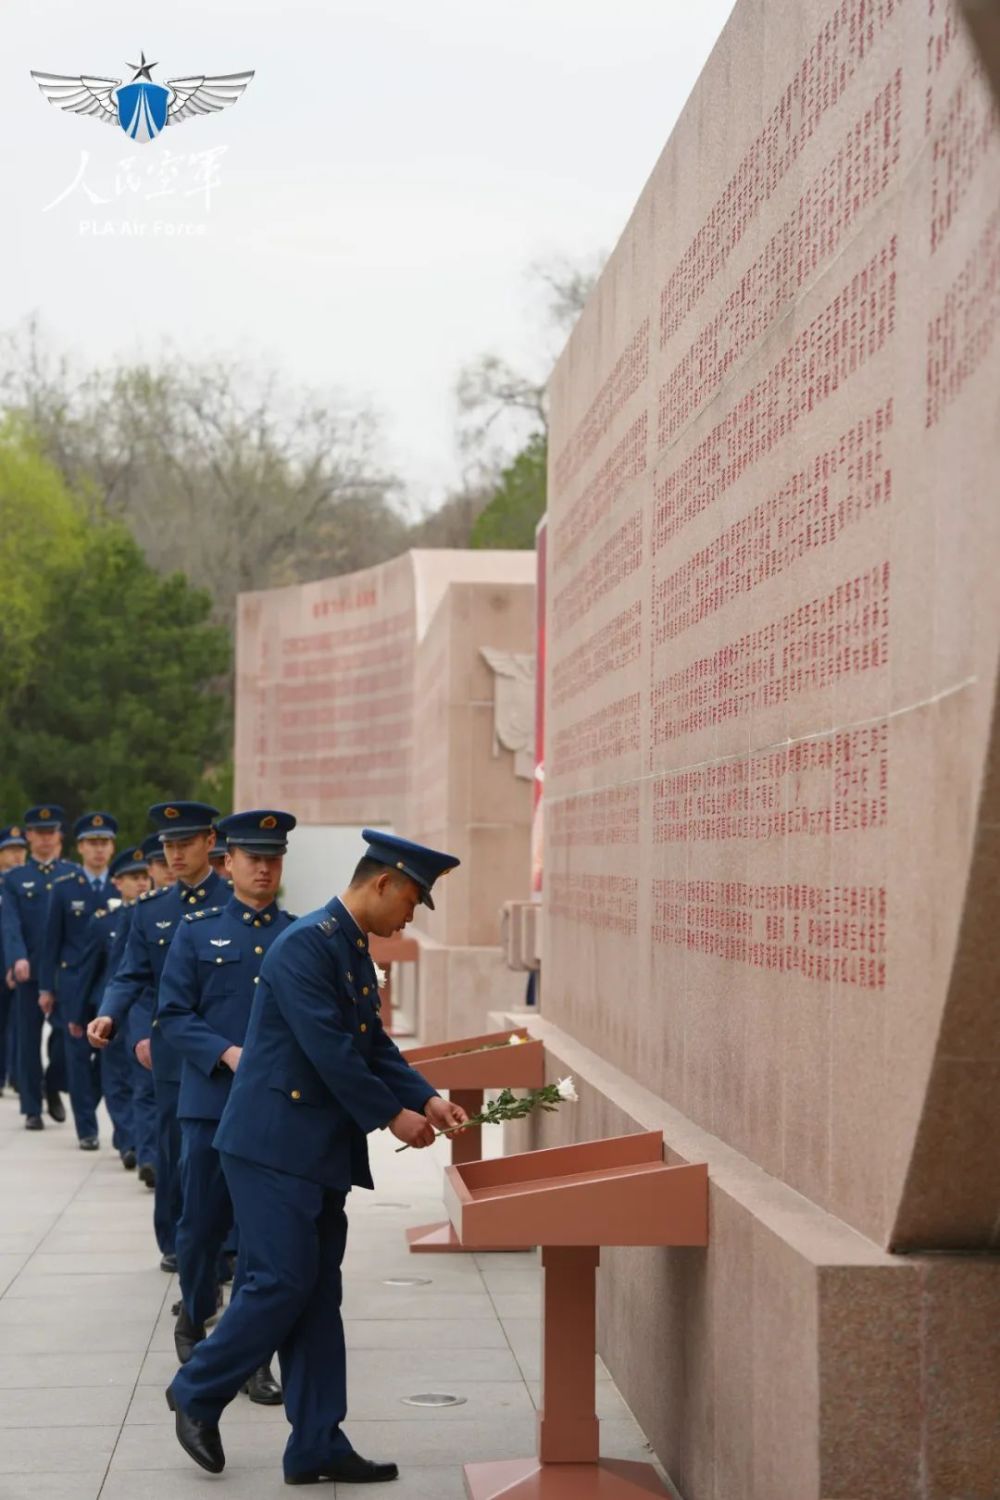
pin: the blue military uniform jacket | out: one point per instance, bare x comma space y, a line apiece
318, 1071
72, 902
155, 919
206, 991
93, 968
27, 889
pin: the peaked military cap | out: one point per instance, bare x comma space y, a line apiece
131, 861
423, 865
152, 848
179, 820
46, 815
262, 831
95, 825
12, 838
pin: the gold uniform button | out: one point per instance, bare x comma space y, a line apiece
218, 960
256, 979
364, 989
192, 900
267, 916
296, 1094
258, 949
201, 893
364, 1025
257, 923
246, 916
162, 941
361, 942
63, 964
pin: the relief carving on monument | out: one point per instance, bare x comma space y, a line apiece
513, 706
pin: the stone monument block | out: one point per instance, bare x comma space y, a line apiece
469, 798
771, 791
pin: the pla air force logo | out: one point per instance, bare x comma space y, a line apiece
142, 108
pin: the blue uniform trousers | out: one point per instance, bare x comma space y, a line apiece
292, 1239
30, 1023
143, 1108
8, 1034
83, 1068
167, 1200
116, 1085
206, 1223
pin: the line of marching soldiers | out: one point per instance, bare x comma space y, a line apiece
243, 1060
144, 962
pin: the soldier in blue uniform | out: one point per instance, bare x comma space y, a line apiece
316, 1074
138, 1028
218, 852
26, 897
206, 991
74, 899
185, 830
110, 1070
13, 851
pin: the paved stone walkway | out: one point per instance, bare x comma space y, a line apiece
86, 1348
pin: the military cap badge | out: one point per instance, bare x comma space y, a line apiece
171, 812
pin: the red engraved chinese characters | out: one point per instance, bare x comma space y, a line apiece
835, 783
608, 816
823, 220
617, 560
627, 461
837, 52
961, 333
846, 335
609, 649
811, 510
606, 735
608, 903
838, 634
835, 934
630, 370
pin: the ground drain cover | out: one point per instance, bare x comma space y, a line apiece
433, 1398
406, 1281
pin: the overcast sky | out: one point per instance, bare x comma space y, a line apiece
390, 173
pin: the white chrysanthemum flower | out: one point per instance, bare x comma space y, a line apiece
566, 1089
380, 976
516, 1040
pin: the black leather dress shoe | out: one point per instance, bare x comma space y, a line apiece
34, 1122
351, 1469
200, 1440
168, 1262
147, 1174
89, 1143
55, 1107
128, 1160
187, 1335
263, 1388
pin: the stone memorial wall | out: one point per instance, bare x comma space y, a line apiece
366, 699
771, 827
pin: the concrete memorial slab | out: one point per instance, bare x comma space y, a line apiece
772, 803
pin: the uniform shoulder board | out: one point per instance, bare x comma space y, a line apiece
101, 911
328, 926
207, 911
152, 895
69, 875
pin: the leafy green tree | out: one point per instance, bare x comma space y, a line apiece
518, 503
40, 539
124, 701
